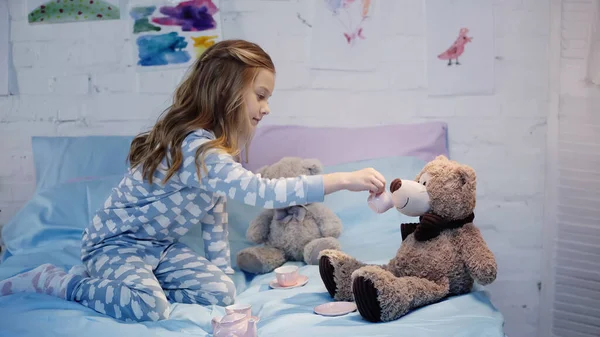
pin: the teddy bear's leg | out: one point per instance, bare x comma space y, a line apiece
260, 260
381, 296
336, 268
313, 248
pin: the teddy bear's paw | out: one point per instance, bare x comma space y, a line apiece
260, 260
336, 269
380, 296
395, 296
314, 248
366, 299
326, 270
334, 254
485, 273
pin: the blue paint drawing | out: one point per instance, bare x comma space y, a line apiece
141, 12
142, 24
164, 49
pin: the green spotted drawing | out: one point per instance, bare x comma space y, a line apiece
57, 11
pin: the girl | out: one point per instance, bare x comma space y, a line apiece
180, 174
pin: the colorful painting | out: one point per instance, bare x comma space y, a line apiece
59, 11
345, 35
141, 23
163, 49
173, 34
460, 47
194, 15
201, 43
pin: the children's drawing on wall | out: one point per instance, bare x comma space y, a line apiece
457, 48
59, 11
345, 35
201, 43
195, 15
460, 47
163, 49
350, 14
173, 34
140, 16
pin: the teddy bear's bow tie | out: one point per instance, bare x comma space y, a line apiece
285, 215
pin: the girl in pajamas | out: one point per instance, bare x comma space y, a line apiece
181, 174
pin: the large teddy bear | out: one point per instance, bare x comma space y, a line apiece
440, 256
296, 233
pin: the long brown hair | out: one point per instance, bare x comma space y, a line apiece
211, 97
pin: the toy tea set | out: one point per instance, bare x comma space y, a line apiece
380, 203
239, 322
287, 277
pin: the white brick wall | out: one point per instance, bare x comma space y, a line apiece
77, 79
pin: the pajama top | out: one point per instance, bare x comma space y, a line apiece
141, 214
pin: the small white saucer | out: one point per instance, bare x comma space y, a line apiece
335, 308
302, 280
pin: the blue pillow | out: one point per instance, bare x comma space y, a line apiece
62, 159
58, 214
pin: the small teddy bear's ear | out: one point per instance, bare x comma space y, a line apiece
262, 170
313, 166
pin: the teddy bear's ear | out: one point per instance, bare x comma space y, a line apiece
262, 170
441, 157
313, 166
466, 174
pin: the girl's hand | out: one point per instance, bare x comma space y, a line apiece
366, 180
362, 180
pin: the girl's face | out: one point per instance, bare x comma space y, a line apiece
257, 96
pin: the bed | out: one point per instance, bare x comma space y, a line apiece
74, 175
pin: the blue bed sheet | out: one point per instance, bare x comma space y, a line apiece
48, 230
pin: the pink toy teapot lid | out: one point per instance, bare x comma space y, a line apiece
232, 318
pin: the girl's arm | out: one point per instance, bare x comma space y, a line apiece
228, 178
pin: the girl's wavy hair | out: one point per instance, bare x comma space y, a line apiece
210, 97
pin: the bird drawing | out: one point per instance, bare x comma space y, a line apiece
457, 48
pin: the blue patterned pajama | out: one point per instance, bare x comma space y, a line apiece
135, 262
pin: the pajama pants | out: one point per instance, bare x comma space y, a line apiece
136, 284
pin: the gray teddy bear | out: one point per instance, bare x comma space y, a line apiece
295, 233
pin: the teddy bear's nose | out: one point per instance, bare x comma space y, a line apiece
395, 185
